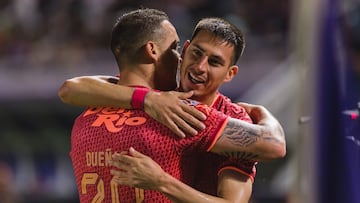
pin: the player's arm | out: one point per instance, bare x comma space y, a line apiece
260, 142
93, 91
271, 131
138, 170
261, 116
165, 107
234, 186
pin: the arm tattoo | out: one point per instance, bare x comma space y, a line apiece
240, 135
240, 155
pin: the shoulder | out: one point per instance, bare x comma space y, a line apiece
232, 109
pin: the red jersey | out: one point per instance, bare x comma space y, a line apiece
99, 132
208, 165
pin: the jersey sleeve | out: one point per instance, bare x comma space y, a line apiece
215, 123
239, 112
245, 167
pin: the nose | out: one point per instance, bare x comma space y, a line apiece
202, 64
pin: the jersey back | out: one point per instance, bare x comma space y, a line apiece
99, 132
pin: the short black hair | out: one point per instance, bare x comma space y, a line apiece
133, 29
225, 31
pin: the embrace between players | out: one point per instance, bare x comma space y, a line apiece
194, 145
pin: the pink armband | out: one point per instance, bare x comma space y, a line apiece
138, 97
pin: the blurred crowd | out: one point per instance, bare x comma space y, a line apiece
42, 33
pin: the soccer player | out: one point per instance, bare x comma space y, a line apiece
214, 60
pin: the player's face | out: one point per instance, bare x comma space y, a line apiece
206, 65
167, 64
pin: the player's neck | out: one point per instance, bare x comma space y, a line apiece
137, 76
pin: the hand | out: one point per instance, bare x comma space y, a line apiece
270, 127
256, 112
168, 109
135, 169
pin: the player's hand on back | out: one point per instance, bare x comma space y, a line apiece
168, 109
270, 127
135, 169
256, 112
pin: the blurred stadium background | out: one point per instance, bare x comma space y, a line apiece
44, 42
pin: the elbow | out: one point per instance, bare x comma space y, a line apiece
281, 151
279, 146
274, 150
278, 151
274, 154
64, 92
281, 143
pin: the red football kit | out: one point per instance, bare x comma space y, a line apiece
99, 132
208, 165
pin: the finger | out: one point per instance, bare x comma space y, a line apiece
135, 153
175, 128
179, 124
188, 116
246, 106
195, 114
118, 173
116, 156
171, 124
187, 121
243, 103
123, 181
120, 160
182, 125
118, 164
189, 109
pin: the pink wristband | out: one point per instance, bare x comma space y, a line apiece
138, 97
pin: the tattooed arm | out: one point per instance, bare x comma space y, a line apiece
243, 140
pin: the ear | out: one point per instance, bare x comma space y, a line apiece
151, 50
185, 46
233, 70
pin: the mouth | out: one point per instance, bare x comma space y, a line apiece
195, 80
